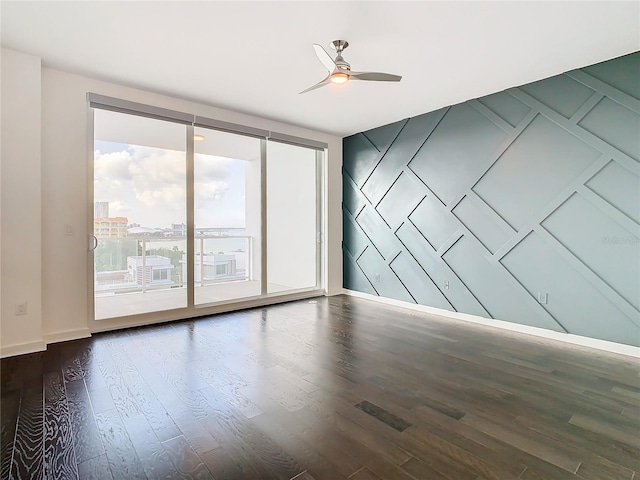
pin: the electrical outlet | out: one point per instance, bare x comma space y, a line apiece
377, 277
21, 308
446, 285
68, 230
543, 297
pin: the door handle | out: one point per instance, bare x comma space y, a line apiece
93, 243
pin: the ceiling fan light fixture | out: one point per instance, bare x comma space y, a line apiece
339, 71
339, 78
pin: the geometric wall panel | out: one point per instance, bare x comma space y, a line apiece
354, 240
400, 200
485, 228
457, 213
600, 243
574, 302
398, 155
536, 167
510, 109
561, 93
492, 286
440, 273
382, 277
456, 150
434, 221
381, 136
616, 73
358, 157
418, 283
616, 125
374, 227
620, 187
351, 197
354, 277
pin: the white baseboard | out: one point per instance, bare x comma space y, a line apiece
65, 335
513, 327
23, 348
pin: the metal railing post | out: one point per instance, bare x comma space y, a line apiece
144, 265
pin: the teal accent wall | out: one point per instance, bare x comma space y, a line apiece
522, 206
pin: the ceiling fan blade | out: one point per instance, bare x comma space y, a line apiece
324, 57
375, 76
317, 85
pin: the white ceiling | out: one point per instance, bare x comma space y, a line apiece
255, 57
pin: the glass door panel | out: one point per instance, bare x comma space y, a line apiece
292, 218
227, 216
139, 214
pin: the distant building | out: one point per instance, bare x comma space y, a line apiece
156, 271
214, 267
113, 227
179, 229
100, 209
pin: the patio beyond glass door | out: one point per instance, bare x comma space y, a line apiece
227, 186
139, 215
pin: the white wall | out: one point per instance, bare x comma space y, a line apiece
60, 154
20, 251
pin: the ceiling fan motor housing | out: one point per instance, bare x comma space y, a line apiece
341, 63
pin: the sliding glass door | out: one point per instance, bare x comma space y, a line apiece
140, 207
292, 218
191, 213
227, 216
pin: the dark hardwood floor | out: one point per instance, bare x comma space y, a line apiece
331, 389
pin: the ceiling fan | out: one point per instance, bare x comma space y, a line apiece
340, 70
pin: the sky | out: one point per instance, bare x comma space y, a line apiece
148, 186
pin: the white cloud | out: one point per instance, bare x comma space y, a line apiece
118, 209
212, 190
209, 167
148, 185
112, 166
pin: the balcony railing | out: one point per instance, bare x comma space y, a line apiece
141, 263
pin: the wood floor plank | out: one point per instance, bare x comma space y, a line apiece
421, 470
234, 425
306, 456
617, 453
59, 452
548, 450
365, 474
222, 464
27, 459
596, 468
86, 436
469, 461
96, 468
376, 444
146, 400
619, 432
155, 460
121, 455
9, 409
341, 451
186, 460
